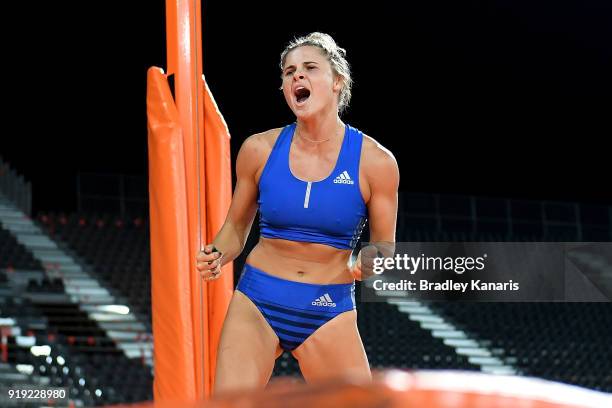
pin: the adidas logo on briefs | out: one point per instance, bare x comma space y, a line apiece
343, 178
324, 300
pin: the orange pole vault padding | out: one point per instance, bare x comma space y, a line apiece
219, 195
170, 285
184, 207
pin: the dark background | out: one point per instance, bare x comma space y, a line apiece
492, 98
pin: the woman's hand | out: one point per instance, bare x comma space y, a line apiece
363, 268
356, 268
208, 262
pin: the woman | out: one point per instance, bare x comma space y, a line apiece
316, 182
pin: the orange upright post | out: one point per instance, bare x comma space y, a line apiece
180, 204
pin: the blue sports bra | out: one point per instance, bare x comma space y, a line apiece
330, 211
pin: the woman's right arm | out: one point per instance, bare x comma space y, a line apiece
231, 239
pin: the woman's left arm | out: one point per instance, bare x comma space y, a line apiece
382, 175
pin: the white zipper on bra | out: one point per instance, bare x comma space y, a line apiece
307, 196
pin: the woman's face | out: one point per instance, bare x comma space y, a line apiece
309, 83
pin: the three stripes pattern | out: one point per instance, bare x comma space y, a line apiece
292, 326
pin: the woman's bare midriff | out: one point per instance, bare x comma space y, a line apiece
301, 261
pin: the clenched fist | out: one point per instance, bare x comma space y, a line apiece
208, 262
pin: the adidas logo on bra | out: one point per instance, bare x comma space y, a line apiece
343, 178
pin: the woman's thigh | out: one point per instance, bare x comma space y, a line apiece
334, 350
247, 348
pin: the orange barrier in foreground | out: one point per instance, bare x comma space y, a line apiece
395, 389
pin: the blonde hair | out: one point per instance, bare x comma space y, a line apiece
336, 57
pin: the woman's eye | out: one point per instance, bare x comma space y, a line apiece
288, 73
311, 67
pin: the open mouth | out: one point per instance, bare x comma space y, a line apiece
302, 94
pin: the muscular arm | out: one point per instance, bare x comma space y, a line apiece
383, 177
235, 230
382, 173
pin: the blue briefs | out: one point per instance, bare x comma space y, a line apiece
294, 310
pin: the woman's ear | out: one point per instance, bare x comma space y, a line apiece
338, 82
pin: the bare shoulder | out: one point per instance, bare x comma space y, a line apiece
260, 143
377, 159
258, 146
255, 151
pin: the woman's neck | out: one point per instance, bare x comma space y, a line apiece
319, 130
